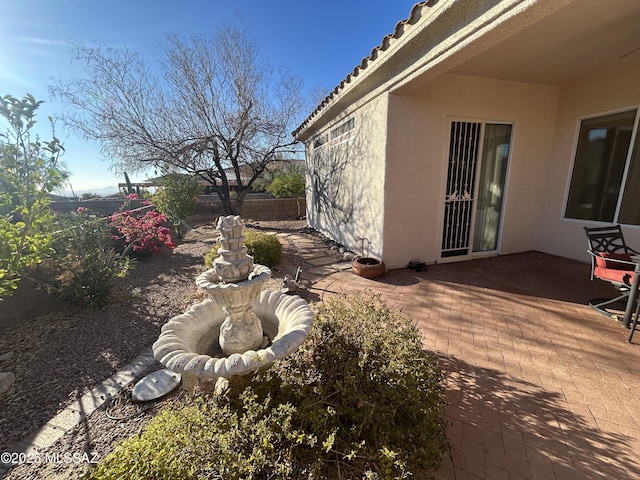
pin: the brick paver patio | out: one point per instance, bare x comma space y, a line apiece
539, 385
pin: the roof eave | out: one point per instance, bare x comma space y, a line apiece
399, 30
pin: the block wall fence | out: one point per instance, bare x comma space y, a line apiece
254, 209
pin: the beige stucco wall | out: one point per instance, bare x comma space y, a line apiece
617, 89
358, 199
418, 150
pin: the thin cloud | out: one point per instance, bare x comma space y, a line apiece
45, 42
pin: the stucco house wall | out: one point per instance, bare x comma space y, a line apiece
418, 154
542, 65
345, 198
614, 90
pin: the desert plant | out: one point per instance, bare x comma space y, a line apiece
210, 256
29, 171
83, 265
176, 197
287, 185
265, 248
359, 399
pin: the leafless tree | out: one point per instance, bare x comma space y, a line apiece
212, 106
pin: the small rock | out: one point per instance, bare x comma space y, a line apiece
6, 357
289, 285
349, 256
6, 380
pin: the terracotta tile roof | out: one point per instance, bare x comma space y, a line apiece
366, 61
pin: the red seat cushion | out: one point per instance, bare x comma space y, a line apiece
607, 268
608, 260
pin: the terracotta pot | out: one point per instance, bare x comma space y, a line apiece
368, 267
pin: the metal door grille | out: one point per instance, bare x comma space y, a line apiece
460, 191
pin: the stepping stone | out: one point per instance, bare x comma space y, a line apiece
322, 261
6, 380
155, 385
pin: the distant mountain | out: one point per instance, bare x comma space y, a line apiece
103, 192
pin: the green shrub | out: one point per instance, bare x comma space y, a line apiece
265, 249
83, 266
287, 185
210, 256
176, 196
29, 171
359, 399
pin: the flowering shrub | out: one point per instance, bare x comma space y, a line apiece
142, 235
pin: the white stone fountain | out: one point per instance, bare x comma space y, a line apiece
240, 328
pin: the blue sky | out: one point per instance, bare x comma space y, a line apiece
322, 41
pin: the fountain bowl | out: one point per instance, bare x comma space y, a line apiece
189, 343
233, 294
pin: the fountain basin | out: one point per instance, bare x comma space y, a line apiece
189, 343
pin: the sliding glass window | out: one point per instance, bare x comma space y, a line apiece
605, 183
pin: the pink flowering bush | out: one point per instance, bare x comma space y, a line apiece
142, 235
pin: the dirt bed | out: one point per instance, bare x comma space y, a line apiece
63, 351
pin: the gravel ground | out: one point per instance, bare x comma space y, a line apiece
62, 353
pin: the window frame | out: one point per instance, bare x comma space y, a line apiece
627, 165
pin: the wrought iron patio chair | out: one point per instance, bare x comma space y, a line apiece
610, 262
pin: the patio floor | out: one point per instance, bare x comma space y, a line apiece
539, 386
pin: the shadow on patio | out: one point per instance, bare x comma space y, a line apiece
503, 427
539, 385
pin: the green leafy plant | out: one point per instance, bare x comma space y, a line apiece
176, 197
210, 256
287, 185
265, 249
360, 399
29, 171
83, 265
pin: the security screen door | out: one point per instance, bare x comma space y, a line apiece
475, 187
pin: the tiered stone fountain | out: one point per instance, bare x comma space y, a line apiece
240, 328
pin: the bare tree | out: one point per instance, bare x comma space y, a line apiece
211, 107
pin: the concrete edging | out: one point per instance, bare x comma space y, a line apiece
79, 410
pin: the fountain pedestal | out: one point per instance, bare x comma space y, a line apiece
234, 283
